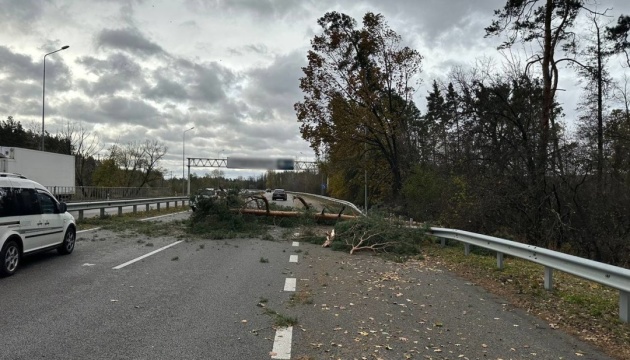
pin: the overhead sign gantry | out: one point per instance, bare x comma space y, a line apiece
251, 163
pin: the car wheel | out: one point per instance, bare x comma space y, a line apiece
67, 246
10, 257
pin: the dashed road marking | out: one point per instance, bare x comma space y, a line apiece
290, 284
282, 343
293, 258
146, 255
295, 243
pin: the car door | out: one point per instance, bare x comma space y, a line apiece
52, 220
32, 228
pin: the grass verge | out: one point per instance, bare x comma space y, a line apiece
90, 223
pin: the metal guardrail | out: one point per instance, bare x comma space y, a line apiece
612, 276
343, 202
120, 204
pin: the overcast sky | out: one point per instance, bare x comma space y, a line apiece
139, 69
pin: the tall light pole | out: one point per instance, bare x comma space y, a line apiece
44, 91
183, 160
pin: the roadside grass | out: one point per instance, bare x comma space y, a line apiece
112, 220
281, 320
581, 307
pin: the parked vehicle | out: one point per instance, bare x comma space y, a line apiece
31, 220
54, 171
279, 194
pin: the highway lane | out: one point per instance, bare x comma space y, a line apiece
194, 300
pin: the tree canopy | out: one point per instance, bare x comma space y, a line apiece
358, 87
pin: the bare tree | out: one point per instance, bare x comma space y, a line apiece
139, 162
85, 145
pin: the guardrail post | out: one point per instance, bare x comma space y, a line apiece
120, 210
624, 306
135, 209
158, 206
548, 278
443, 242
466, 249
102, 213
167, 205
80, 214
148, 207
500, 260
177, 202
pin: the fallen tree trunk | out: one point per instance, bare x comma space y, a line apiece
278, 213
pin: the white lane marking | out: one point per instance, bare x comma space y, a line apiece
295, 243
293, 258
92, 229
282, 343
161, 216
147, 255
290, 284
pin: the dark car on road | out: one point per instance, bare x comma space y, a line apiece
279, 194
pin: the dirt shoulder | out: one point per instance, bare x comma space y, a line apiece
363, 307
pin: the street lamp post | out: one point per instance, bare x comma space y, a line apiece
183, 160
44, 91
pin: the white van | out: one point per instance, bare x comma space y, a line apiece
31, 220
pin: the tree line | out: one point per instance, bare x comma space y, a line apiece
138, 164
134, 165
493, 152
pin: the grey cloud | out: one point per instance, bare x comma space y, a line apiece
130, 111
259, 49
14, 93
118, 63
276, 87
165, 89
257, 8
19, 16
189, 24
116, 73
22, 81
17, 66
204, 83
127, 39
113, 111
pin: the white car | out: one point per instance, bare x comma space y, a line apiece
31, 220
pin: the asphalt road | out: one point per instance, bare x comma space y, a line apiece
194, 300
200, 300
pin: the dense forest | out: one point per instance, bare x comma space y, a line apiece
492, 152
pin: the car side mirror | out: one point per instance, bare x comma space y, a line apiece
63, 208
